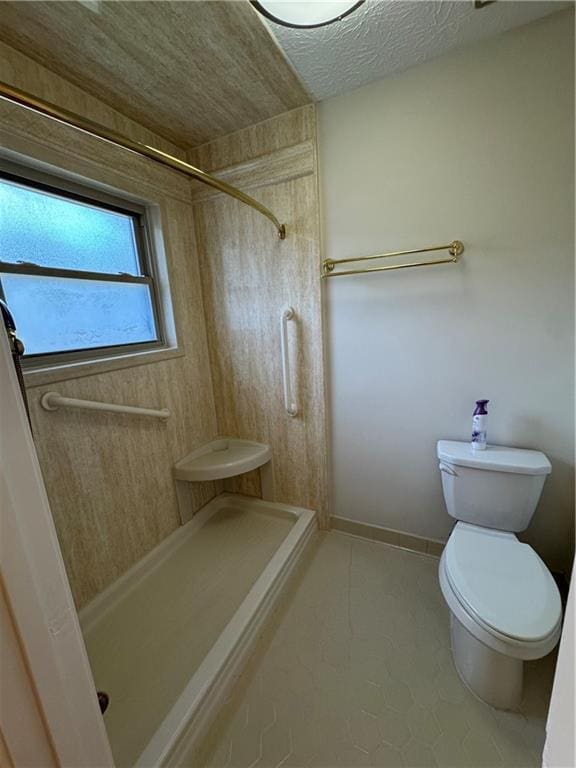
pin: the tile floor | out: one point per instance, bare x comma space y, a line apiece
355, 670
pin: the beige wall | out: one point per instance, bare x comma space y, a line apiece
476, 145
248, 277
109, 477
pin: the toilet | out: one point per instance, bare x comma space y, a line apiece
504, 605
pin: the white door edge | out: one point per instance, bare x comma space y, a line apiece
39, 594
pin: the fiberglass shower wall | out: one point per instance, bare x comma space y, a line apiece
248, 277
109, 477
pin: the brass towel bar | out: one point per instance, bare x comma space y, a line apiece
16, 96
455, 249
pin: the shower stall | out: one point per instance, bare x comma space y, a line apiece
172, 574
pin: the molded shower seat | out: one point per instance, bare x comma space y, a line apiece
222, 458
219, 459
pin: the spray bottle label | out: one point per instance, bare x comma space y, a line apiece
479, 432
479, 425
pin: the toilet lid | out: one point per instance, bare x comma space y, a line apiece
503, 582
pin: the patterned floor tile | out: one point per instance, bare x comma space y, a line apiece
423, 725
365, 731
418, 755
355, 669
482, 750
387, 756
394, 728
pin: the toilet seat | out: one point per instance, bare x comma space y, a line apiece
501, 589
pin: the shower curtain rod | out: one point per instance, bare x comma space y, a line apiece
16, 96
455, 249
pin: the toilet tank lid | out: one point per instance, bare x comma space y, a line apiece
497, 458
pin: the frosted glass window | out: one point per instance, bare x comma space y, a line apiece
75, 272
58, 232
78, 314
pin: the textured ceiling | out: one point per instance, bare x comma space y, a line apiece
385, 36
191, 71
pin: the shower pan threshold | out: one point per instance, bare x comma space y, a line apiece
168, 639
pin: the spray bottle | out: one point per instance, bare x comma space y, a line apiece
479, 424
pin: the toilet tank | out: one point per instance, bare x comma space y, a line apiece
496, 488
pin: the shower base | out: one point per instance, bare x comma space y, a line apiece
167, 640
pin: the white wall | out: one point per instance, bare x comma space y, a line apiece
475, 145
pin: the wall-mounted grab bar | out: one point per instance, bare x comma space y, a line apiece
289, 400
455, 249
16, 96
51, 401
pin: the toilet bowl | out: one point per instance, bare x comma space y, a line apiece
505, 608
504, 605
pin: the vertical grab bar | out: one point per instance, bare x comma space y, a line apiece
289, 401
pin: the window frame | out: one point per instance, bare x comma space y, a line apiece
145, 252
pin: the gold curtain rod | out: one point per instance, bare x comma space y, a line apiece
455, 249
16, 96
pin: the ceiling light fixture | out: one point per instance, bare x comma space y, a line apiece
301, 14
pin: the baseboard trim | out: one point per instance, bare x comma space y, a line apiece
419, 544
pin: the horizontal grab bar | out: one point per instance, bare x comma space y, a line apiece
51, 401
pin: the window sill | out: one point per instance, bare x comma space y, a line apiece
39, 377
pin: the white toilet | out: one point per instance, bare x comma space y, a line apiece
504, 604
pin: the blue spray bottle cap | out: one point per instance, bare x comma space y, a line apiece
480, 409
